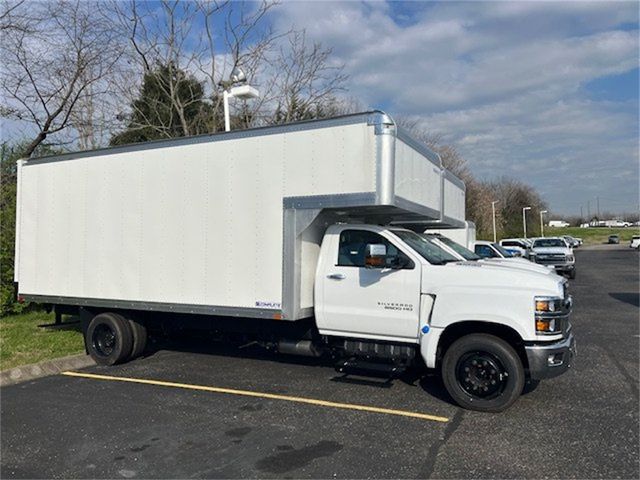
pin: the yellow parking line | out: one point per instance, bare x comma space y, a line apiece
271, 396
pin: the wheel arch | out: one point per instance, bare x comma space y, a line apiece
459, 329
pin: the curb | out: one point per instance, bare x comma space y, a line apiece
43, 369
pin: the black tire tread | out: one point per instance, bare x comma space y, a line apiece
495, 345
139, 337
124, 337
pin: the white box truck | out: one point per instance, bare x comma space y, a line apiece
291, 235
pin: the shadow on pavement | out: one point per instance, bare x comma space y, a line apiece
632, 298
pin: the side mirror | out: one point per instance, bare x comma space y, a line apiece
375, 255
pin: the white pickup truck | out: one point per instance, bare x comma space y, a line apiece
293, 236
554, 252
464, 254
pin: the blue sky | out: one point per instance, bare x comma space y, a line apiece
546, 92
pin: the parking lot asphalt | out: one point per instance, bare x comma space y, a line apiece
583, 424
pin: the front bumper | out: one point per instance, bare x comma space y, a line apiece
559, 265
565, 268
551, 360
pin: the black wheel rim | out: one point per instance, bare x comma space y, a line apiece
103, 340
481, 375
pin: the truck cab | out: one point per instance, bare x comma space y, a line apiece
486, 328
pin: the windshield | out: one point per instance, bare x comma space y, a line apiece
427, 249
549, 242
459, 249
503, 251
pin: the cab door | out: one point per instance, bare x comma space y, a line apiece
359, 301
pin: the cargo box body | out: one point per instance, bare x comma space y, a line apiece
227, 224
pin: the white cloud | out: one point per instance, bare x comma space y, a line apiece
503, 81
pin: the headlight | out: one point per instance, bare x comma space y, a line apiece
548, 305
545, 307
570, 258
548, 326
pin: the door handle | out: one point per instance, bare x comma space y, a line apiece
337, 276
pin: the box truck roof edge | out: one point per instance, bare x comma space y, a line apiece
410, 187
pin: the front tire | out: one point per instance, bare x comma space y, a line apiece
109, 339
483, 372
572, 274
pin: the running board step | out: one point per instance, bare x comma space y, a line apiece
360, 367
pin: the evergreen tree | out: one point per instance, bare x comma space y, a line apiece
170, 104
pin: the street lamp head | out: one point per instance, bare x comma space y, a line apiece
544, 211
238, 76
526, 208
243, 92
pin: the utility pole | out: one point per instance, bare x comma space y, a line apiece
493, 211
581, 215
589, 210
524, 220
542, 212
598, 209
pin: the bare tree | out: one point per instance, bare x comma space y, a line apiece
12, 17
451, 158
513, 196
305, 83
296, 78
55, 64
184, 38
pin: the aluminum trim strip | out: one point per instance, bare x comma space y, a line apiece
455, 180
373, 117
416, 207
404, 136
331, 201
156, 306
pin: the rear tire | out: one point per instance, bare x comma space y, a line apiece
109, 339
139, 337
483, 372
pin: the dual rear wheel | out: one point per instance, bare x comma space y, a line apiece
112, 338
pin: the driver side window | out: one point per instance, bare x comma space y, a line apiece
353, 245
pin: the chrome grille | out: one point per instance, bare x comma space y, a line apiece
551, 258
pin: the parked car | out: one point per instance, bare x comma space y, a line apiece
554, 251
493, 252
635, 242
464, 254
519, 247
613, 239
572, 241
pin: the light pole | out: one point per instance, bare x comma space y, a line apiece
542, 212
493, 211
243, 92
524, 220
